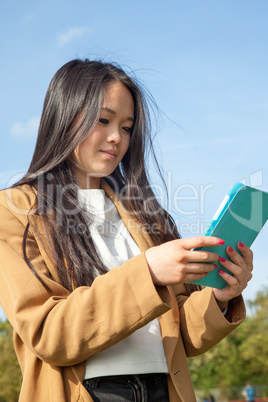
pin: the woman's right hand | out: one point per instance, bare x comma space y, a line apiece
175, 262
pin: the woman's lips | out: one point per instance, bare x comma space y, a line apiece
110, 153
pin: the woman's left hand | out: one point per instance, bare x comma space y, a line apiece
241, 267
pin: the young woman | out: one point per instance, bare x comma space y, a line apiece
93, 272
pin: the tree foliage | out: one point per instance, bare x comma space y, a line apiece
241, 356
10, 373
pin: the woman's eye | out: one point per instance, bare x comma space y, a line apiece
127, 129
103, 121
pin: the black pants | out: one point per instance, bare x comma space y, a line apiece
134, 388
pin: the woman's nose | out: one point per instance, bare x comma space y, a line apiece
114, 136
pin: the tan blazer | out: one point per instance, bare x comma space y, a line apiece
54, 333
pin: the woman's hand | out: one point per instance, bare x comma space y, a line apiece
174, 262
241, 267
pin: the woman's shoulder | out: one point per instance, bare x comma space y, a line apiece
19, 199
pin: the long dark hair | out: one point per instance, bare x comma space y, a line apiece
71, 110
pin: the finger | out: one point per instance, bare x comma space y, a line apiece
200, 241
247, 254
236, 258
231, 280
241, 273
200, 256
234, 282
195, 277
233, 268
199, 268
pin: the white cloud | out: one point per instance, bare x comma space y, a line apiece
72, 33
28, 129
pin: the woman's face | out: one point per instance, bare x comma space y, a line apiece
105, 146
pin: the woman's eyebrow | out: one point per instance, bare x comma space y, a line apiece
107, 109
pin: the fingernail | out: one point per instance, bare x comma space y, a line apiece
230, 249
221, 271
221, 241
215, 266
241, 244
223, 259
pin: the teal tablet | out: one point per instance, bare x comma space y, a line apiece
240, 218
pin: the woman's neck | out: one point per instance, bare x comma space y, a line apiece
88, 182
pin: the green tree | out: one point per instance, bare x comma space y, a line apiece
241, 356
255, 350
10, 373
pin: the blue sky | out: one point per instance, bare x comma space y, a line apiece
205, 62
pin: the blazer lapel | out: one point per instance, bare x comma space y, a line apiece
169, 322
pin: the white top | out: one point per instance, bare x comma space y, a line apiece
142, 352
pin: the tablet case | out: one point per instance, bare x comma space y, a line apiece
239, 218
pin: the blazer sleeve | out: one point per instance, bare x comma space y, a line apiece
202, 323
63, 328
